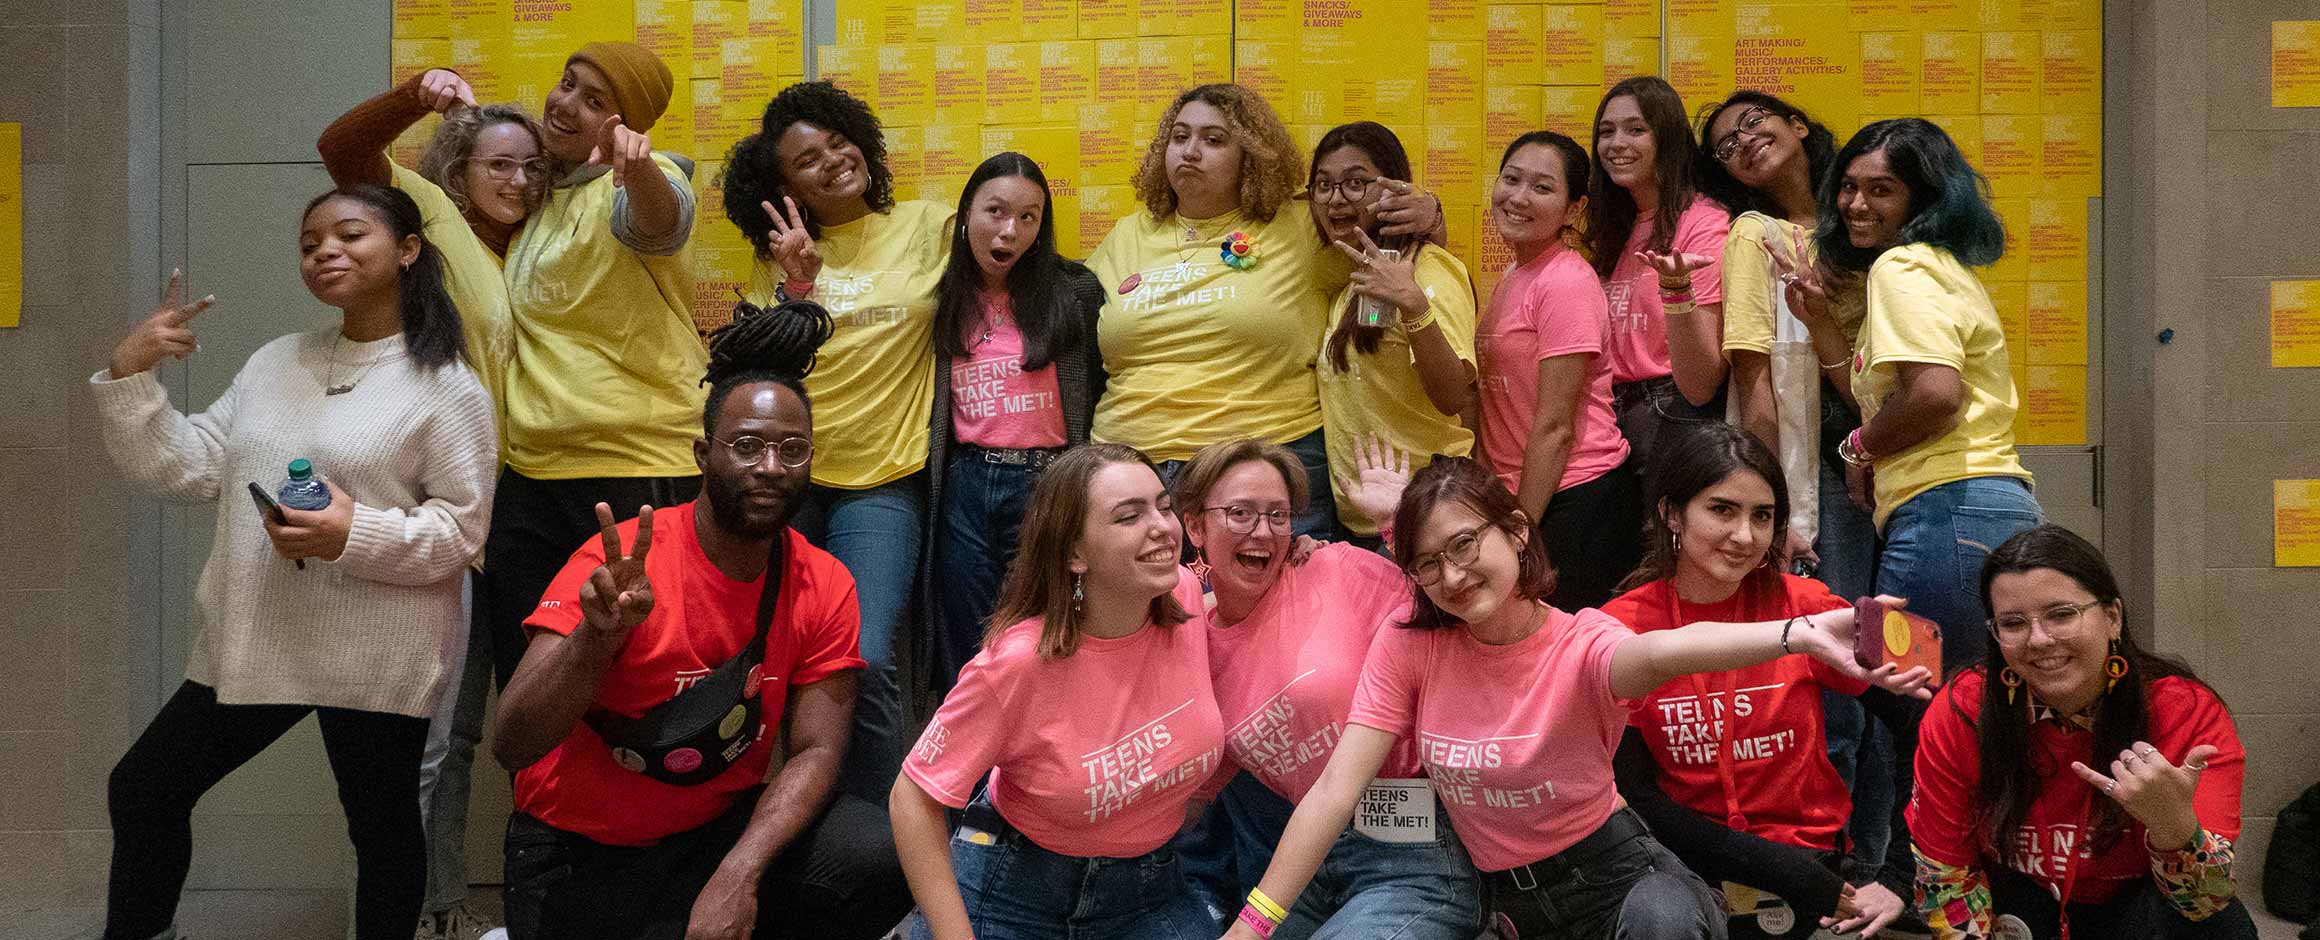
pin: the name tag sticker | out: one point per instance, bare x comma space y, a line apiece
1396, 810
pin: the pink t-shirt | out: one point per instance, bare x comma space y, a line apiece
1552, 306
1094, 754
1639, 348
1285, 675
994, 403
1517, 738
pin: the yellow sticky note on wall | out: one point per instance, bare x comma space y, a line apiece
749, 80
958, 84
2070, 76
2296, 63
1889, 73
1117, 61
665, 29
2295, 324
2011, 62
906, 84
1011, 82
778, 21
1163, 67
951, 153
1952, 82
715, 123
2057, 319
1572, 50
2296, 523
1454, 82
11, 224
1067, 78
2057, 239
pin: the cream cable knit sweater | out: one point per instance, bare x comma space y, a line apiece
416, 451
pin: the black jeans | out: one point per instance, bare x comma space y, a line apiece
1653, 415
1594, 537
1618, 883
536, 525
839, 880
195, 742
2140, 913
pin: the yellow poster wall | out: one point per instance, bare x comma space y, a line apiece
1079, 86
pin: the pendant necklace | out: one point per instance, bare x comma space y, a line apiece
329, 382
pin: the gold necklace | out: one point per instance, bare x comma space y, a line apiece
329, 383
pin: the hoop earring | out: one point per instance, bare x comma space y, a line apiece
2114, 667
2011, 680
1078, 593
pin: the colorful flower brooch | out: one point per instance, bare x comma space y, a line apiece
1238, 251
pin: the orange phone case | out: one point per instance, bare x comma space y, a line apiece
1888, 635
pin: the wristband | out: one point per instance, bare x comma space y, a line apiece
1272, 910
1850, 450
797, 290
1677, 307
1257, 921
1417, 323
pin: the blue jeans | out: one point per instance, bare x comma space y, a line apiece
1860, 749
447, 768
1016, 890
982, 514
1319, 519
1365, 888
1934, 548
875, 533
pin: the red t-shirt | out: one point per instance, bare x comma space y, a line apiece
1774, 778
700, 619
1945, 822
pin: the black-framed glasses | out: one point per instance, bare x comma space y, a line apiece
2063, 621
1750, 119
1354, 188
504, 168
1242, 520
1463, 549
750, 450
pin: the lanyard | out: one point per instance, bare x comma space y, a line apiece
1734, 819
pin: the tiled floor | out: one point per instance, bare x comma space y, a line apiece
290, 915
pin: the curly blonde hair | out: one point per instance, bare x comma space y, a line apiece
444, 162
1272, 166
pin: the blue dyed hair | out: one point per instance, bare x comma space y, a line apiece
1949, 201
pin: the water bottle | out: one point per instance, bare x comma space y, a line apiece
303, 490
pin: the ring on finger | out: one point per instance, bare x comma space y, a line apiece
2148, 751
2110, 786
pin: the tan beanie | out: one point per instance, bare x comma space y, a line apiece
640, 82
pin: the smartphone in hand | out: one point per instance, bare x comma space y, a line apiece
1883, 634
272, 510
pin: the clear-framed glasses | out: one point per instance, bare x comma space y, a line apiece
1729, 147
750, 450
2063, 621
1463, 549
1352, 188
504, 168
1242, 520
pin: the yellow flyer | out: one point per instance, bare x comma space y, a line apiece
1011, 82
1262, 66
1055, 147
1163, 67
1107, 19
422, 19
2007, 15
1196, 17
1211, 60
11, 224
1625, 57
2070, 79
1510, 110
2057, 239
993, 21
2057, 320
1451, 20
1266, 19
1700, 66
933, 20
958, 84
2296, 523
1465, 239
853, 68
722, 259
905, 84
1157, 18
2074, 14
712, 121
1513, 44
2053, 406
1452, 160
1067, 78
1565, 109
749, 80
1100, 207
1890, 67
906, 160
717, 22
1045, 18
1112, 136
951, 153
2073, 155
1802, 52
543, 33
1934, 15
1952, 77
665, 28
1572, 51
411, 57
1117, 65
1966, 131
1454, 82
1631, 18
2296, 64
1883, 14
2011, 150
480, 50
2013, 266
1330, 85
2010, 67
2012, 301
2295, 324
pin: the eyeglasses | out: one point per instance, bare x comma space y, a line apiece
1242, 520
750, 450
1464, 548
2063, 621
1353, 189
1729, 147
504, 168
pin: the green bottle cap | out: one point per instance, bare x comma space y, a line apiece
301, 469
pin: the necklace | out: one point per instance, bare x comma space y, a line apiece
330, 384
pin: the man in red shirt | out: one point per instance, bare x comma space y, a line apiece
638, 818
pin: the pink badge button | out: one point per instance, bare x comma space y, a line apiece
683, 760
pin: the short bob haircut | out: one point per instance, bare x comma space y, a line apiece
1949, 201
1211, 463
444, 162
1461, 481
1271, 167
1039, 581
1717, 183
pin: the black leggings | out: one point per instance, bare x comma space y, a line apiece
195, 742
1594, 537
2140, 913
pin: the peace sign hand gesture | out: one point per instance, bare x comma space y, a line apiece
618, 595
164, 333
2155, 792
442, 90
1807, 291
627, 152
793, 248
1393, 280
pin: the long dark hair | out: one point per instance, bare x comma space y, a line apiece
1702, 456
1949, 200
1462, 481
753, 172
1042, 288
1384, 151
1611, 214
1717, 183
762, 345
2009, 782
431, 331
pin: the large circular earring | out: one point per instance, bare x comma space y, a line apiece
2114, 667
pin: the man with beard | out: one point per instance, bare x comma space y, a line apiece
663, 659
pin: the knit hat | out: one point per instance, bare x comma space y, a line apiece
640, 82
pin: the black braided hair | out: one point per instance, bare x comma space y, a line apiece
775, 345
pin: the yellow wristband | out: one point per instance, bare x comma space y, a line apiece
1265, 906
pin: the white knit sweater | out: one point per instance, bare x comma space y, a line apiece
416, 451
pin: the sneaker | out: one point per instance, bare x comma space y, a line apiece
459, 923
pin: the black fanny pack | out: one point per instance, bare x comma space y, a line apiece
702, 731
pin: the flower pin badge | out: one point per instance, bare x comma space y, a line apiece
1239, 252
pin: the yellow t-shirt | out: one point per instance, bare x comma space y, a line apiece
1380, 392
873, 382
1752, 291
1924, 306
472, 275
1200, 351
605, 380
